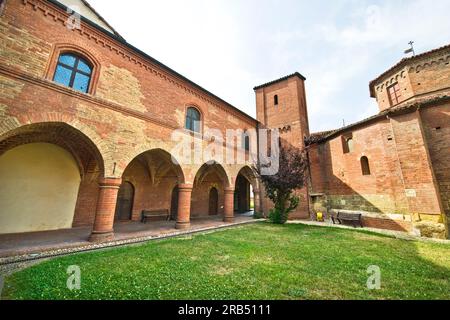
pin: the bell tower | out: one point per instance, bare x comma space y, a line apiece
281, 104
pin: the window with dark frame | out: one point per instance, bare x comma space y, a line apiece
74, 72
275, 100
246, 142
394, 93
193, 120
365, 167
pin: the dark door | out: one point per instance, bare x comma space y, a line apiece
125, 201
213, 202
174, 204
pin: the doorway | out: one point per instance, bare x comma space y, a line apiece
213, 202
125, 200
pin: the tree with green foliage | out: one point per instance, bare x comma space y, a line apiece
280, 187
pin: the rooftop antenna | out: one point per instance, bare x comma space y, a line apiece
411, 50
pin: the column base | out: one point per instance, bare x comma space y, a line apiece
228, 219
98, 237
183, 225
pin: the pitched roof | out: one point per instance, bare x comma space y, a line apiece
321, 137
296, 74
100, 17
402, 63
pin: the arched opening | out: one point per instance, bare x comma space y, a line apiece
365, 167
49, 174
244, 197
125, 202
153, 175
174, 204
213, 202
210, 176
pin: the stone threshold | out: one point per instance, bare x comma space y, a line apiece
13, 263
395, 234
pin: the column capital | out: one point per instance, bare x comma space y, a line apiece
185, 187
229, 190
110, 182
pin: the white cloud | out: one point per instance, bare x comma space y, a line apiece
228, 47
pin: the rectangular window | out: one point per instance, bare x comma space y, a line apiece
347, 143
395, 94
246, 142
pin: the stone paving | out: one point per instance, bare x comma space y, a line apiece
19, 249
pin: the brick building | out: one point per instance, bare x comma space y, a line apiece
90, 128
394, 166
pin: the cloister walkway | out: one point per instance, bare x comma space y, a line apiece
35, 243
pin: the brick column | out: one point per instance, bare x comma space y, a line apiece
257, 200
184, 206
106, 209
229, 205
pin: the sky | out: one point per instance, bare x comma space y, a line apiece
230, 46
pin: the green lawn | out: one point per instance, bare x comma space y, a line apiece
260, 261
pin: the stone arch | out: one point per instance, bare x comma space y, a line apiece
250, 174
68, 137
10, 126
215, 167
154, 174
246, 185
46, 176
210, 175
161, 152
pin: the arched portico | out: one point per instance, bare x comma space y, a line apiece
49, 171
153, 174
247, 192
212, 193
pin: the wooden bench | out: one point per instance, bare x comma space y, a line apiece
154, 215
341, 217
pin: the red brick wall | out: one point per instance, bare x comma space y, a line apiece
436, 123
136, 106
291, 117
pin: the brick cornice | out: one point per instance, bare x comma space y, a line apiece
101, 38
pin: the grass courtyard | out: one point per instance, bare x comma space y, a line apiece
260, 261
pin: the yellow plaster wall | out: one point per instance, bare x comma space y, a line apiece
39, 185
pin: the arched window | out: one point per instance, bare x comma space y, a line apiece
193, 120
74, 72
365, 167
275, 100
